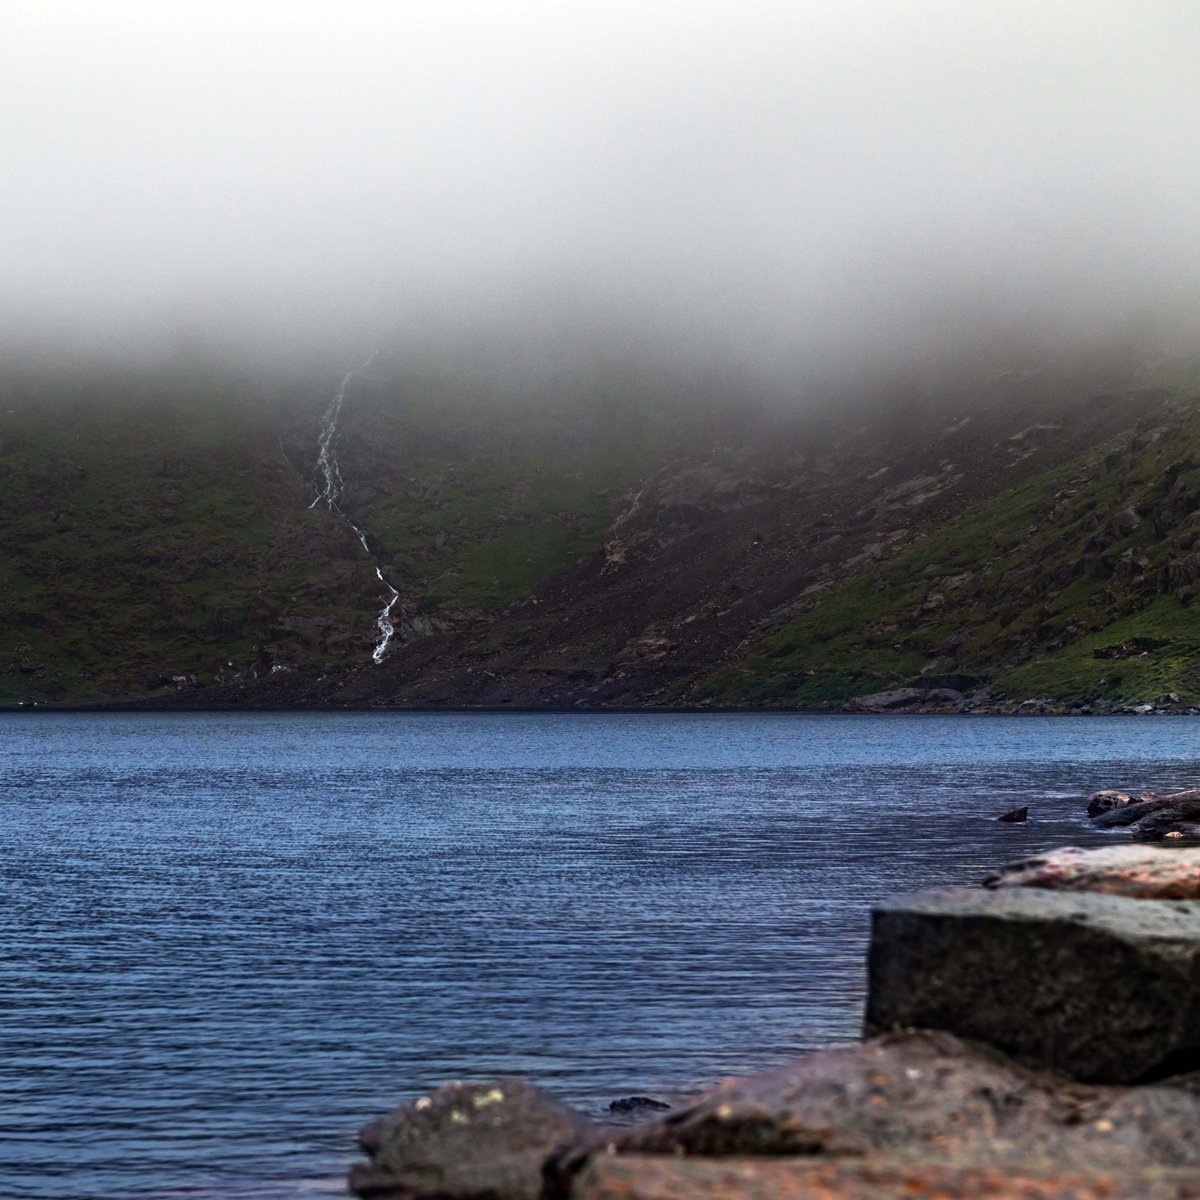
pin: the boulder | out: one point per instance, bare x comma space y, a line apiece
1184, 806
1129, 814
1179, 814
1015, 815
1166, 823
1100, 987
1139, 872
915, 1097
466, 1141
1099, 802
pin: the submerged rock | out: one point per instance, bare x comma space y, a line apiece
466, 1141
1153, 817
1139, 872
1100, 987
1015, 815
637, 1107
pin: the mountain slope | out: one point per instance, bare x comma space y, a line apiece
1010, 534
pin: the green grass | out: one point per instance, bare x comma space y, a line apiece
1037, 593
486, 533
144, 515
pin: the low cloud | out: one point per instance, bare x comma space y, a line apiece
781, 188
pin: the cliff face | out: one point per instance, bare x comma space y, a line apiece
1013, 534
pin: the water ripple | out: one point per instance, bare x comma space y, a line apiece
225, 941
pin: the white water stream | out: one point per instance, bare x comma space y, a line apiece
331, 490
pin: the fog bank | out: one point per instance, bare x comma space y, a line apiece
782, 188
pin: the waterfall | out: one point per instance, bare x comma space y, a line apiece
332, 488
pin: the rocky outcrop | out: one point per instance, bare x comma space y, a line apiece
923, 1097
1101, 802
1156, 817
1012, 1030
1128, 814
1180, 815
1100, 987
917, 700
898, 1113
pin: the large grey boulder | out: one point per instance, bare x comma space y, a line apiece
1100, 987
466, 1141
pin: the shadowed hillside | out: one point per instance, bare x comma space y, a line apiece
1005, 534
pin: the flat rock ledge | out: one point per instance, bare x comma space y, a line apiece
1144, 872
1035, 1039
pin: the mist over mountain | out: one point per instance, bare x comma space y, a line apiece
599, 354
789, 192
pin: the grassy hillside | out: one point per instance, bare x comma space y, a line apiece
154, 530
1079, 586
157, 533
630, 543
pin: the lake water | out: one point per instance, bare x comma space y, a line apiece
226, 941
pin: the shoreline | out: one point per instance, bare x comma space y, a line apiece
155, 705
970, 1079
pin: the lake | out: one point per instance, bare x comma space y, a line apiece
228, 940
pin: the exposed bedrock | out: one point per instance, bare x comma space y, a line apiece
923, 1096
910, 700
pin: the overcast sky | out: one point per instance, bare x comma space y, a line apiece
767, 182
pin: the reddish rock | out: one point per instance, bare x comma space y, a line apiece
645, 1177
1141, 872
922, 1097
